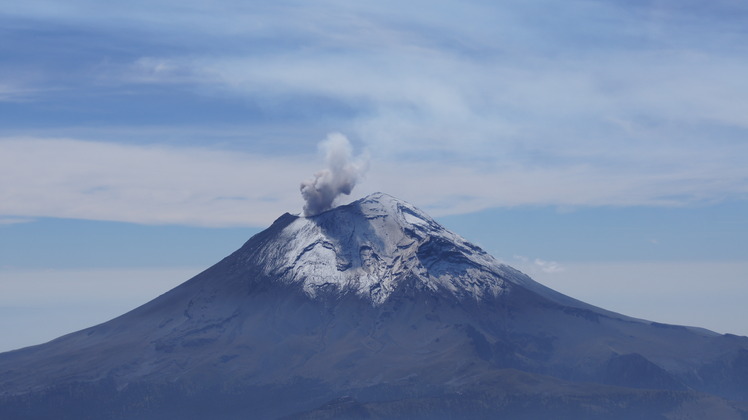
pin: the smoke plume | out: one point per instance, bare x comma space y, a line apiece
340, 176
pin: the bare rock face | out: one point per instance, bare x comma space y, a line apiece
373, 310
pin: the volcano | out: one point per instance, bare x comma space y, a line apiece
374, 310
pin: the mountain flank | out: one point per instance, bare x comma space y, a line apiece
374, 310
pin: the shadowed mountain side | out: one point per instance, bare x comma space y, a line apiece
517, 395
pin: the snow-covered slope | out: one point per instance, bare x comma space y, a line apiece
370, 246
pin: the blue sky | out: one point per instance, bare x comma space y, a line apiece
569, 139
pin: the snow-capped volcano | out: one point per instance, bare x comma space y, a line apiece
373, 310
370, 246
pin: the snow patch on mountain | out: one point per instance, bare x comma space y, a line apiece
372, 245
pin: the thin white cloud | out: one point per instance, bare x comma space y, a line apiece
199, 186
146, 184
457, 189
14, 220
534, 266
651, 114
15, 92
548, 266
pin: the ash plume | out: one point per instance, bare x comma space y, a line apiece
340, 176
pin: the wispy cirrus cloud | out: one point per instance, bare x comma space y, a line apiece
575, 104
14, 220
145, 184
12, 91
149, 184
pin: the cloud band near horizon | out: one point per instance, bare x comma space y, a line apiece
66, 178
